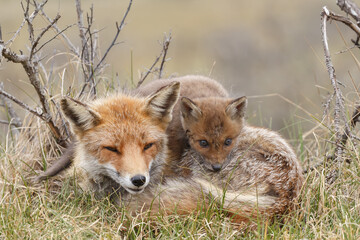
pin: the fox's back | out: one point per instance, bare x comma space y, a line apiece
191, 86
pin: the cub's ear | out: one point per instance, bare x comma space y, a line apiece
80, 115
236, 108
189, 110
161, 103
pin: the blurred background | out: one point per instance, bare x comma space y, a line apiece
270, 51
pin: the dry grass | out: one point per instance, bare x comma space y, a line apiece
58, 210
48, 212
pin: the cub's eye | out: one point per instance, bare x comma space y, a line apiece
228, 142
112, 149
203, 143
147, 146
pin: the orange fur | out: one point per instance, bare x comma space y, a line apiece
121, 140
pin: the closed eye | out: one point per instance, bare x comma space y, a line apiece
147, 146
112, 149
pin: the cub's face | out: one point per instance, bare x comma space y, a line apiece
212, 126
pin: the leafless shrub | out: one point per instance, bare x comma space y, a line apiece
341, 126
55, 135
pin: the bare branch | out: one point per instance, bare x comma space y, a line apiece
37, 112
56, 35
350, 8
166, 44
15, 118
113, 43
81, 27
344, 20
149, 70
29, 19
11, 40
4, 122
69, 43
36, 42
338, 96
32, 73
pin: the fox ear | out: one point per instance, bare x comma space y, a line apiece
80, 115
189, 110
161, 103
236, 108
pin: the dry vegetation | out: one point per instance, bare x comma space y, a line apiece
330, 200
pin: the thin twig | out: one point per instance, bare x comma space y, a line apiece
113, 43
344, 20
12, 113
166, 43
338, 96
36, 42
56, 35
81, 29
37, 113
350, 8
69, 43
11, 40
149, 70
32, 73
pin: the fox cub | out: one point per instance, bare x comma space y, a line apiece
121, 140
256, 169
205, 120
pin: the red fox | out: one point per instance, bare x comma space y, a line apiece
121, 140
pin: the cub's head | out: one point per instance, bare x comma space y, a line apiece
122, 136
212, 126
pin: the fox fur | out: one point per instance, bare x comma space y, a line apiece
121, 140
220, 120
259, 174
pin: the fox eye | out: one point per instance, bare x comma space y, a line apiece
203, 143
228, 142
112, 149
147, 146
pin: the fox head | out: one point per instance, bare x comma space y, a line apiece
122, 136
212, 126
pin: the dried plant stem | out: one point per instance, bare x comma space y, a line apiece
338, 95
15, 120
31, 69
350, 8
112, 44
165, 46
38, 113
36, 42
61, 32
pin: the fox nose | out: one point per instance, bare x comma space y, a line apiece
216, 167
138, 180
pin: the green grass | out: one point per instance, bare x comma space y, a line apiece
48, 212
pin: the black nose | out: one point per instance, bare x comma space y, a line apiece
216, 167
138, 180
